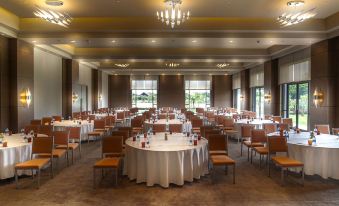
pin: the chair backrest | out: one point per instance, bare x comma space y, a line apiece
323, 128
183, 110
46, 129
284, 127
152, 110
197, 123
163, 116
270, 128
205, 128
219, 119
246, 130
199, 110
34, 128
335, 131
288, 121
84, 117
171, 116
75, 133
121, 115
36, 122
189, 114
147, 115
61, 137
112, 145
122, 133
276, 119
128, 129
258, 136
268, 117
177, 128
57, 118
91, 117
46, 121
159, 127
99, 124
42, 145
211, 132
277, 144
76, 115
137, 122
229, 123
217, 142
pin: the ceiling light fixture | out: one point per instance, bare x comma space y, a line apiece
291, 19
173, 14
54, 2
53, 17
222, 65
122, 65
295, 3
172, 65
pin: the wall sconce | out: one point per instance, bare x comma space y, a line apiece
26, 97
268, 97
100, 97
242, 97
318, 97
75, 97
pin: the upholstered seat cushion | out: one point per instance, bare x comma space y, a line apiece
250, 144
57, 153
107, 163
261, 150
116, 154
32, 164
71, 146
218, 152
222, 160
287, 162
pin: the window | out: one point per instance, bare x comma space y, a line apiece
236, 99
258, 100
197, 94
144, 93
295, 103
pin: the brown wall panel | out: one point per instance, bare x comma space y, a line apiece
95, 89
4, 83
271, 72
171, 91
222, 91
245, 89
119, 93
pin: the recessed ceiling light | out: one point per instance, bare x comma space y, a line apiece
116, 74
147, 74
73, 41
162, 74
153, 41
54, 2
113, 41
210, 74
122, 65
230, 41
226, 74
295, 3
194, 41
179, 74
33, 41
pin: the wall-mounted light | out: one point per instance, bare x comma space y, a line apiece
100, 97
268, 97
26, 97
242, 97
75, 97
318, 97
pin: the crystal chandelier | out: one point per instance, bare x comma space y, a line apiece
222, 65
172, 65
288, 19
122, 65
53, 17
173, 14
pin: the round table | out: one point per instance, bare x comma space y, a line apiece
17, 151
186, 126
86, 127
321, 158
164, 162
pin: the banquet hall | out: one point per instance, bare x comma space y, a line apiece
169, 102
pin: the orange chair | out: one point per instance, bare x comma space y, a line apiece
60, 138
270, 128
99, 129
246, 133
46, 121
159, 127
335, 131
137, 125
36, 122
268, 117
205, 128
40, 145
34, 128
57, 118
276, 119
163, 116
218, 143
75, 136
120, 118
279, 144
258, 139
323, 128
284, 127
196, 124
176, 128
110, 145
171, 116
229, 127
46, 129
123, 133
288, 121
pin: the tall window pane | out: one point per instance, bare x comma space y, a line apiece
144, 93
197, 94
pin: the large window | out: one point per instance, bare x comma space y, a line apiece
258, 100
197, 94
144, 93
295, 103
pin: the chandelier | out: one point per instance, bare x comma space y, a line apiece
172, 65
173, 14
222, 65
122, 65
53, 17
288, 19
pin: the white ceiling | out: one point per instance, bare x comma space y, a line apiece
198, 8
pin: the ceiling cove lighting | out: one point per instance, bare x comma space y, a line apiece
173, 15
122, 65
53, 17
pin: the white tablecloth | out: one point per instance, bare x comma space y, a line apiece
321, 159
86, 127
186, 126
172, 161
16, 151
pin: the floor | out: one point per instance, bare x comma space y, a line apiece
73, 186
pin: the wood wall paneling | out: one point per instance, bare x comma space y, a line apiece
245, 89
171, 91
222, 91
271, 72
119, 91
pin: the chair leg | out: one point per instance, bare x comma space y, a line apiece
94, 178
241, 145
248, 154
282, 176
269, 168
67, 156
116, 176
16, 179
303, 176
260, 161
52, 171
251, 155
39, 178
80, 150
234, 174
